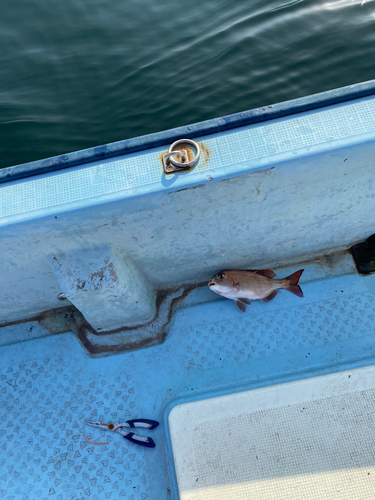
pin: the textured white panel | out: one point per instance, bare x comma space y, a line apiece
312, 439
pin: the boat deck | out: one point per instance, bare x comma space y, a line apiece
106, 227
50, 386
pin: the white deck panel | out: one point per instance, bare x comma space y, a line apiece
311, 439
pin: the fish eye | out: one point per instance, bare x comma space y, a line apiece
221, 276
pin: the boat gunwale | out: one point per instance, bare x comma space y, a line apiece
208, 127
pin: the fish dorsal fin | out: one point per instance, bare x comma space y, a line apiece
271, 296
240, 306
264, 272
244, 300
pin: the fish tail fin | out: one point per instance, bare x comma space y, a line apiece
291, 283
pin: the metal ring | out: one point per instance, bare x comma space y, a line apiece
189, 163
181, 153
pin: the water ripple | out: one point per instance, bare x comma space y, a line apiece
80, 74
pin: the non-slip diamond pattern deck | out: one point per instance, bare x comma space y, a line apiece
272, 334
49, 387
43, 451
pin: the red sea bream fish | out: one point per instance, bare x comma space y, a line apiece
245, 286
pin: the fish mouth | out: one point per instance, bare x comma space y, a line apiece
211, 283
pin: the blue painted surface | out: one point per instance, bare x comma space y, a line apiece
49, 386
323, 135
282, 191
222, 124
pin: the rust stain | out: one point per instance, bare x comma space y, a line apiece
160, 158
178, 158
95, 280
202, 162
58, 263
83, 328
54, 321
80, 284
68, 318
37, 317
205, 155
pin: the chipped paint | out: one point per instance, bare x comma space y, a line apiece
95, 280
105, 285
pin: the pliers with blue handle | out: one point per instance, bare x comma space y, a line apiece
130, 436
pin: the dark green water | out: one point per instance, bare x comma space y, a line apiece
81, 73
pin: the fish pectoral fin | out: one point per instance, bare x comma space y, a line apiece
244, 300
240, 306
271, 296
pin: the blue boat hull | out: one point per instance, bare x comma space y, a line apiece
131, 249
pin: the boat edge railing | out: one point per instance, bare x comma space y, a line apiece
208, 127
